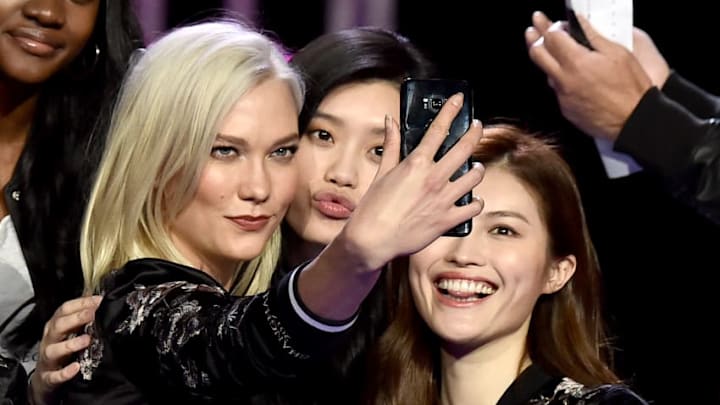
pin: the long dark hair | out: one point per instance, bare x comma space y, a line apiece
60, 157
567, 332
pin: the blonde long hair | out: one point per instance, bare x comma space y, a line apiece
166, 119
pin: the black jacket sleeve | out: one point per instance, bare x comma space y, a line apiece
170, 327
696, 100
669, 140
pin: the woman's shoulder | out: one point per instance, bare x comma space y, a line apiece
568, 391
146, 288
151, 273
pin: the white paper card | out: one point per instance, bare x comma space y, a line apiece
614, 20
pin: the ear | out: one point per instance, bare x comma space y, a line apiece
560, 272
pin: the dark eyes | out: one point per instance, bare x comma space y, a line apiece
503, 231
321, 135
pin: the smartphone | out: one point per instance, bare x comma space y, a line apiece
420, 101
575, 30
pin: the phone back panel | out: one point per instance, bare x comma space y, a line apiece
420, 101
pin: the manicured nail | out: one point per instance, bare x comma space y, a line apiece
457, 99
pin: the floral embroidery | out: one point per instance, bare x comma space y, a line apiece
235, 315
144, 300
175, 323
571, 387
570, 392
91, 357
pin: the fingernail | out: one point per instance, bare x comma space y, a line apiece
457, 99
477, 165
476, 123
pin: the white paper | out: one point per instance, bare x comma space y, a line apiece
613, 19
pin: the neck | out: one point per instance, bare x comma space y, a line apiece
220, 269
481, 376
296, 250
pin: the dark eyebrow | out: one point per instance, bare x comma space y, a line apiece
379, 131
503, 214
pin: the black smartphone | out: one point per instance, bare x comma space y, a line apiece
420, 101
575, 30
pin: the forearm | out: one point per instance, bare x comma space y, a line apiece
334, 284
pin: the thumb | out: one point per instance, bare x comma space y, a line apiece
391, 147
596, 40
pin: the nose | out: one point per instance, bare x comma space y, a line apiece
343, 170
47, 13
255, 183
467, 251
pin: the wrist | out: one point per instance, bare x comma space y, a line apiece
357, 252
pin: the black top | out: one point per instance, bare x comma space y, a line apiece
167, 333
534, 387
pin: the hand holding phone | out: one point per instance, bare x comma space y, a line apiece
420, 101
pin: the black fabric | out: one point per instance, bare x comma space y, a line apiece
534, 387
692, 97
342, 377
168, 333
670, 141
13, 382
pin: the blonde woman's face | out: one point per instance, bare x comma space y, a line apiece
339, 156
482, 288
247, 184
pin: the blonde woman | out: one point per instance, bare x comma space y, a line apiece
198, 174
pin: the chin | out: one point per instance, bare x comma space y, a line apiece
457, 335
250, 249
321, 234
460, 344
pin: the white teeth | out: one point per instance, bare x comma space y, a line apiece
465, 286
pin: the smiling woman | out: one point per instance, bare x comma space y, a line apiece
511, 313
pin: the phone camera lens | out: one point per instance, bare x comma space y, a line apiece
435, 103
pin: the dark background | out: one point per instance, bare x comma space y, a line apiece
658, 257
